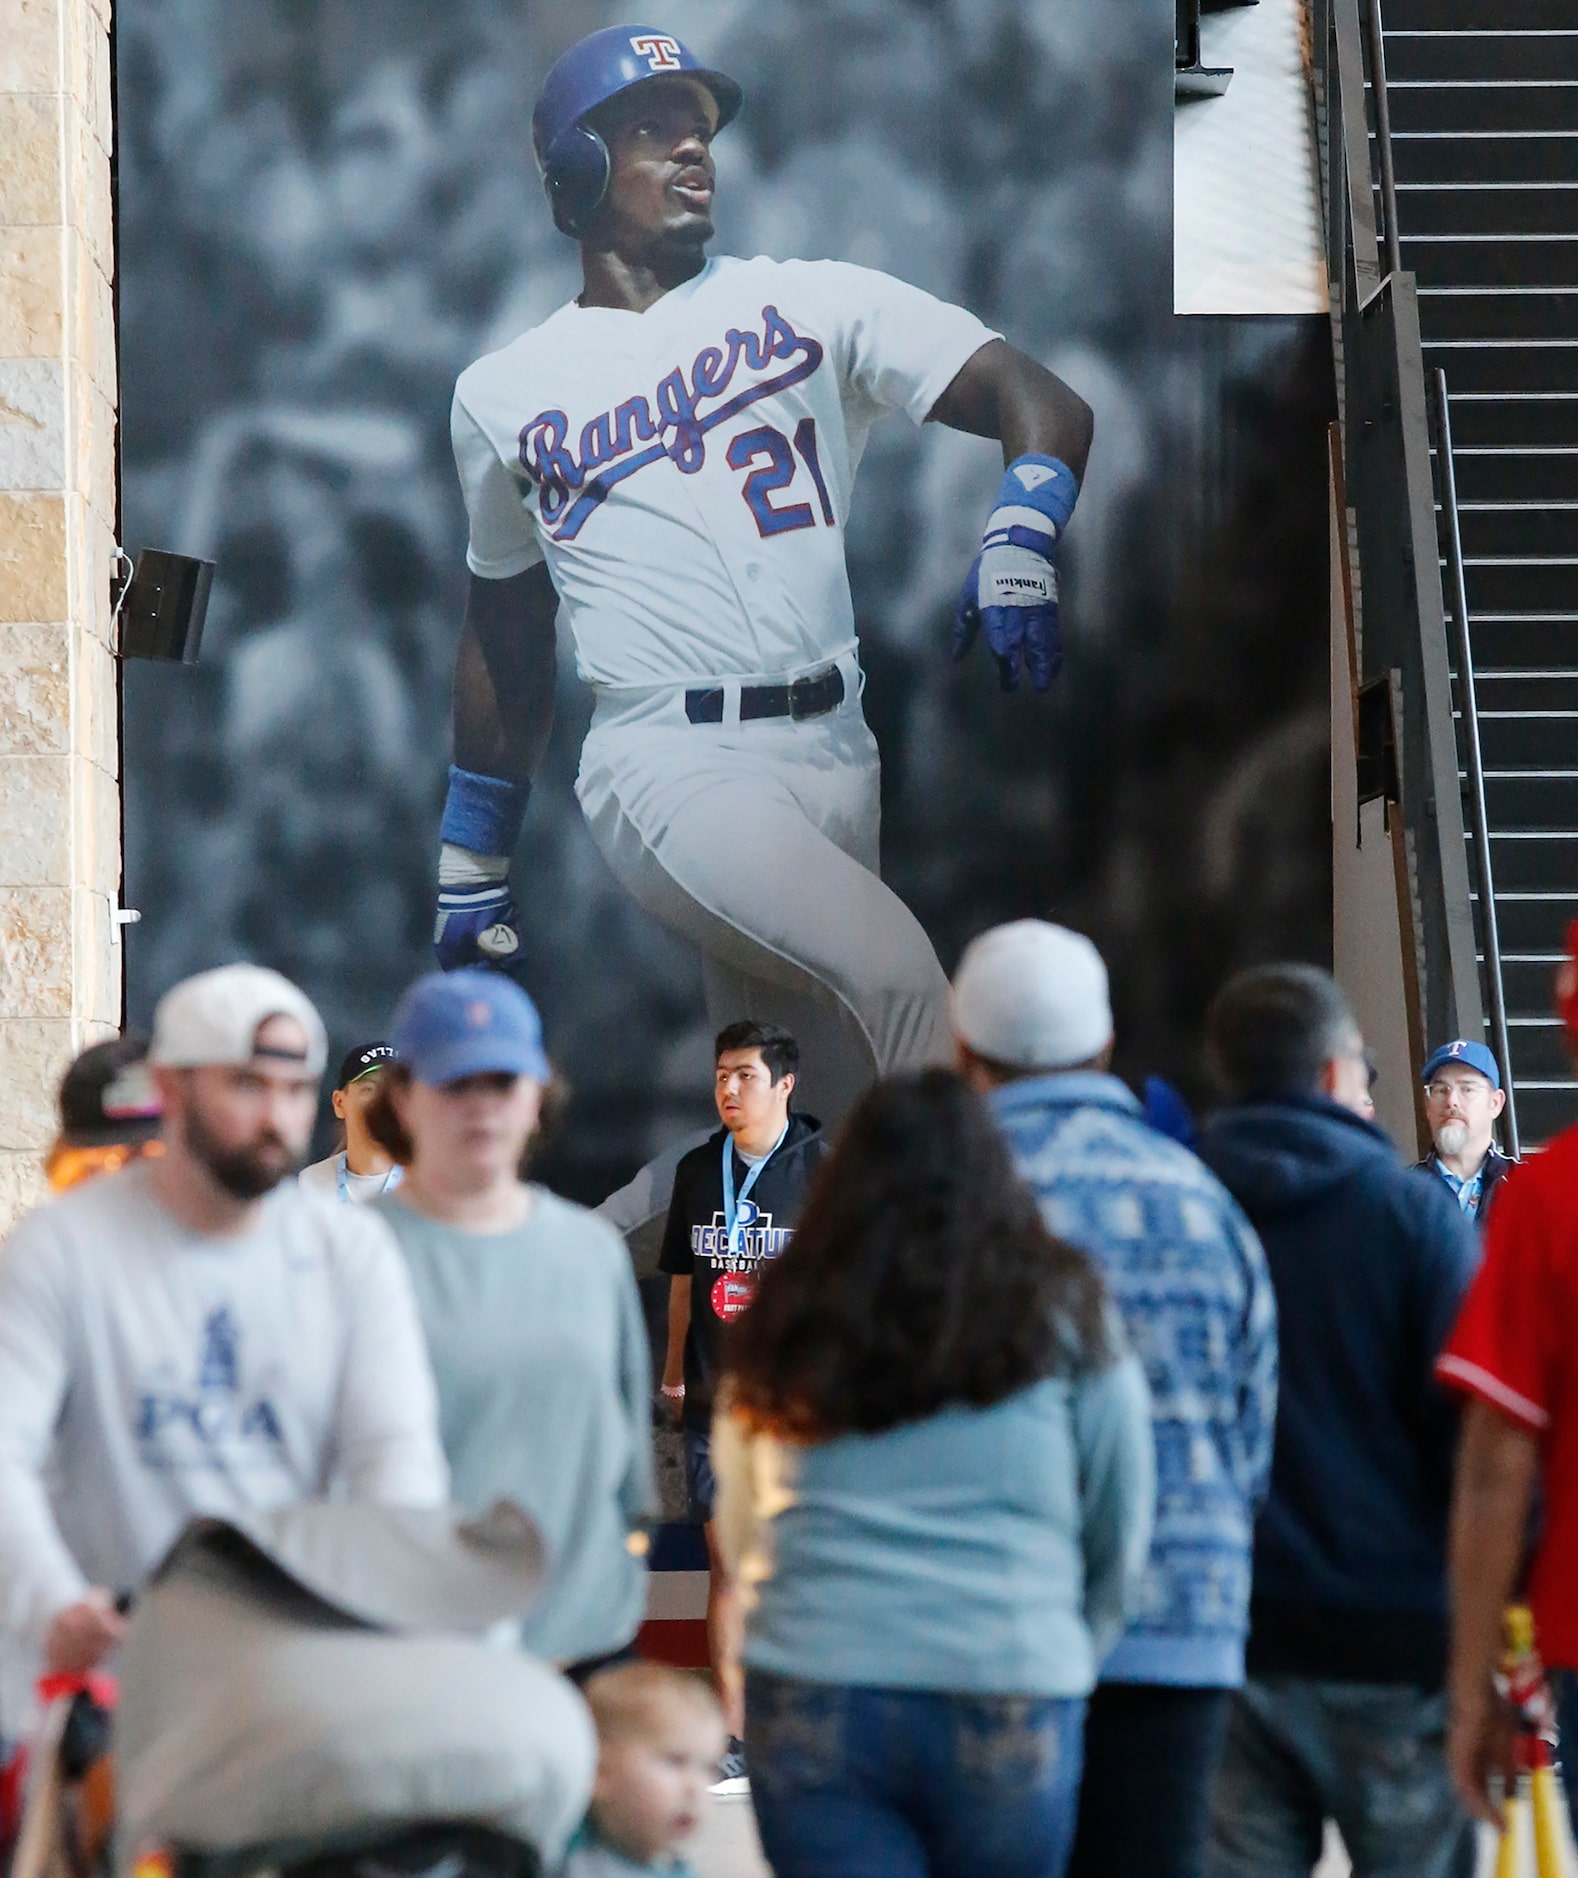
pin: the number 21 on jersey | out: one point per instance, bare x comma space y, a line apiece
777, 472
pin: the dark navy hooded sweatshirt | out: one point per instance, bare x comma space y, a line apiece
1369, 1261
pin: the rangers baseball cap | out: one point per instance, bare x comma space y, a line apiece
362, 1061
473, 1022
1471, 1055
1032, 995
214, 1018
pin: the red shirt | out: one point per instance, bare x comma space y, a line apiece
1515, 1347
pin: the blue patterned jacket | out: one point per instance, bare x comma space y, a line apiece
1187, 1273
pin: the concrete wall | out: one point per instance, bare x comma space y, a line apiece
59, 756
1246, 176
1371, 938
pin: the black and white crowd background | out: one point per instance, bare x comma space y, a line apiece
328, 210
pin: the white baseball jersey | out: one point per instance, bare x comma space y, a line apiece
686, 472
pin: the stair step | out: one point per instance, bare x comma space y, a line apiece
1508, 474
1493, 260
1494, 419
1520, 799
1534, 920
1539, 1050
1531, 531
1507, 586
1532, 857
1504, 209
1526, 980
1522, 16
1478, 55
1499, 312
1514, 689
1505, 365
1524, 639
1543, 1112
1471, 156
1506, 106
1530, 741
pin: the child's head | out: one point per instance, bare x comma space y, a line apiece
660, 1737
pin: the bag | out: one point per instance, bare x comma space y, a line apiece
287, 1694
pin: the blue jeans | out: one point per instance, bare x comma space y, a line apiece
1371, 1756
908, 1783
701, 1486
1151, 1755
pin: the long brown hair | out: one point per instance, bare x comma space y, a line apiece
921, 1275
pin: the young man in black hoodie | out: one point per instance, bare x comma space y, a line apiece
1343, 1714
736, 1199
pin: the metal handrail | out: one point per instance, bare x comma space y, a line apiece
1384, 406
1478, 813
1383, 135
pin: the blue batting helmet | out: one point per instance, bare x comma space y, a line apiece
572, 157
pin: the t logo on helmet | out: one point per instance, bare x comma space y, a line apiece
660, 52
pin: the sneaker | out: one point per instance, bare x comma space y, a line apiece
732, 1778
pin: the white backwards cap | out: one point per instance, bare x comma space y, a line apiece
214, 1018
1031, 995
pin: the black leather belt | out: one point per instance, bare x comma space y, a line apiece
812, 696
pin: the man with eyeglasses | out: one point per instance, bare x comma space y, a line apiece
1463, 1098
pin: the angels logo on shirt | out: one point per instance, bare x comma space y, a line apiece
214, 1425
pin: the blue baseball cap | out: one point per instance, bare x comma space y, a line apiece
1470, 1055
450, 1025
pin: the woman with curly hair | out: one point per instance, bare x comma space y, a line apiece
935, 1480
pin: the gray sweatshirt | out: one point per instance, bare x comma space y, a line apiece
148, 1374
544, 1386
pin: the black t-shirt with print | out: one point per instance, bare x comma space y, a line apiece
695, 1241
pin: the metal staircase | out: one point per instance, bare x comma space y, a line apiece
1483, 101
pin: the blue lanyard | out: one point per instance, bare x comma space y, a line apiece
731, 1206
342, 1184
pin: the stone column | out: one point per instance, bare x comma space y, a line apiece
59, 740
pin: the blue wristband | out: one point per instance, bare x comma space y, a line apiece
1042, 483
483, 814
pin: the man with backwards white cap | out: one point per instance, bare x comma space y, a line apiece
195, 1335
1032, 1022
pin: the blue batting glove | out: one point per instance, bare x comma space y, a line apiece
477, 925
1011, 591
478, 922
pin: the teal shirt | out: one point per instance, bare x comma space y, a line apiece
539, 1348
987, 1550
591, 1856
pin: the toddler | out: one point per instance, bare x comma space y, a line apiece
660, 1737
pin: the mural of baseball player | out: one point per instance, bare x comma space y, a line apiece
669, 461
